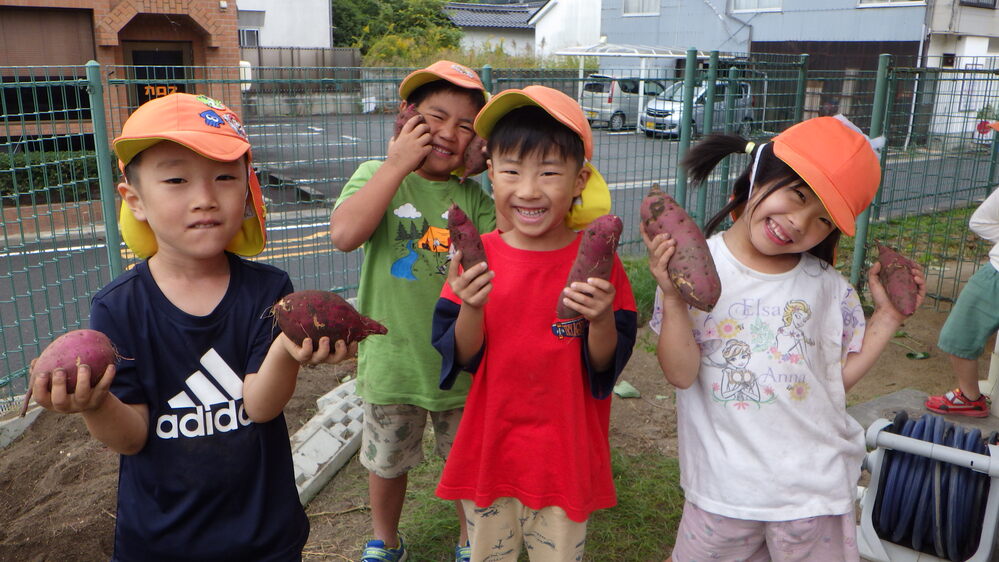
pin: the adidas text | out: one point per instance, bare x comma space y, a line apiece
201, 422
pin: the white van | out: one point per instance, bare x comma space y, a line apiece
615, 101
663, 114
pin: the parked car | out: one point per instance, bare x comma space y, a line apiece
615, 101
663, 114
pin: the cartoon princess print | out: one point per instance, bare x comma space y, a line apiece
738, 383
791, 342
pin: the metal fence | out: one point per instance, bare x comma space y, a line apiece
311, 127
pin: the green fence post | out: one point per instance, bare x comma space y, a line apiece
993, 160
799, 92
730, 89
878, 113
487, 81
688, 108
105, 162
706, 127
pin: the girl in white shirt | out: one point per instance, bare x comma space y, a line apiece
771, 474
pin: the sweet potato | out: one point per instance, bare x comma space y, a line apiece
314, 314
896, 276
405, 114
691, 269
475, 160
465, 237
68, 352
595, 257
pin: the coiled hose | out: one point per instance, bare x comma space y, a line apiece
932, 506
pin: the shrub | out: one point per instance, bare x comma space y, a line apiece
46, 176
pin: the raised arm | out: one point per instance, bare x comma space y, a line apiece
355, 218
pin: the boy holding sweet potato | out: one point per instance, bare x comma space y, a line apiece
195, 406
396, 210
531, 460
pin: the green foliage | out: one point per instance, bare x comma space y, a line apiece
643, 285
48, 176
989, 113
383, 30
641, 527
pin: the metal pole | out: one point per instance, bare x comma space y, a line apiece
877, 125
799, 93
730, 91
688, 108
105, 163
707, 126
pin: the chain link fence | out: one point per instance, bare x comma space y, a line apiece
311, 127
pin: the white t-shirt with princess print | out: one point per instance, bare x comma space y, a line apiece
763, 432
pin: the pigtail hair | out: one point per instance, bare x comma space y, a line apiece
702, 158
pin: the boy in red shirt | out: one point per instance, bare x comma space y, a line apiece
531, 459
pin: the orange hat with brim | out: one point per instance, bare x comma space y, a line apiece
207, 127
457, 74
594, 201
837, 162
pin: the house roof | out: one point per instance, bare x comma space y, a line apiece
507, 16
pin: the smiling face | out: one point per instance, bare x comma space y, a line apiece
533, 192
779, 226
449, 115
194, 205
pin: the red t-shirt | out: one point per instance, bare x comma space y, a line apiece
532, 428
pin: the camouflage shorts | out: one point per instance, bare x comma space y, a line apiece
392, 438
499, 532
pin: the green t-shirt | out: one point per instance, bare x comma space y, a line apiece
405, 266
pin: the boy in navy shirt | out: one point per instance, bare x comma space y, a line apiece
195, 406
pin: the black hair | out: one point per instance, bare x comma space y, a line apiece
531, 130
771, 170
426, 90
130, 171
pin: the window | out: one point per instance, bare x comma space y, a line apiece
756, 5
641, 7
979, 3
249, 37
249, 23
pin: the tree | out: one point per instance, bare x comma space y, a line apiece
392, 29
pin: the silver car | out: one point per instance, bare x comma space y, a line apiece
663, 114
616, 101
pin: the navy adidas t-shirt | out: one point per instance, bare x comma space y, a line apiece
209, 483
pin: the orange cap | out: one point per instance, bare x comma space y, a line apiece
205, 126
457, 74
994, 125
594, 201
838, 164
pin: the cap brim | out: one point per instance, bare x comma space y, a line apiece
210, 145
508, 100
822, 186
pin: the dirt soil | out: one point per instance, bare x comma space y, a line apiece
57, 485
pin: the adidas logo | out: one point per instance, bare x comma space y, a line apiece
226, 390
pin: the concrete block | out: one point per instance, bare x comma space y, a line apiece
12, 428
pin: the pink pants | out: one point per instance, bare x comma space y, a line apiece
706, 536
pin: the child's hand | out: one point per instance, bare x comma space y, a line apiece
411, 147
661, 250
592, 299
307, 357
880, 296
472, 286
60, 399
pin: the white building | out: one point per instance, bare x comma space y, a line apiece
285, 23
527, 28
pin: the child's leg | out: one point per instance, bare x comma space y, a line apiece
495, 531
966, 371
445, 425
831, 538
391, 445
550, 536
706, 536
